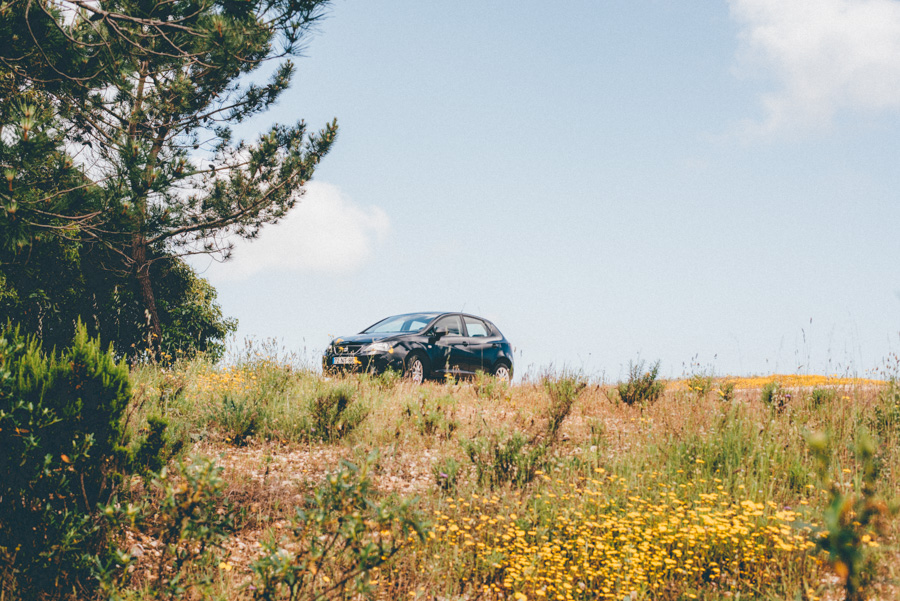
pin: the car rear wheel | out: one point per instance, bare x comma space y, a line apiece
415, 369
502, 372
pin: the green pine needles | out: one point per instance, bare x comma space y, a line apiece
61, 453
118, 148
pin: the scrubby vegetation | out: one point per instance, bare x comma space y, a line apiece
643, 386
62, 450
283, 484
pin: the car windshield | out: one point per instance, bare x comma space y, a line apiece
410, 323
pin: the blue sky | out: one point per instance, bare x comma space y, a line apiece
710, 183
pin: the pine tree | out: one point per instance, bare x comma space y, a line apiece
137, 99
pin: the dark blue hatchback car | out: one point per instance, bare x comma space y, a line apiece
423, 346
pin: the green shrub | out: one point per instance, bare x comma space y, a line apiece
726, 391
238, 417
192, 522
433, 416
190, 518
851, 520
822, 396
597, 437
388, 379
563, 391
500, 459
151, 453
336, 540
700, 383
446, 474
61, 452
774, 396
488, 387
642, 387
334, 412
886, 417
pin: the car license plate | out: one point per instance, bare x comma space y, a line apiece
344, 360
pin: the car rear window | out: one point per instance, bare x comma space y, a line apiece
477, 328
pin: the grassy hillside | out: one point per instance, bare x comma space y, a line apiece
554, 488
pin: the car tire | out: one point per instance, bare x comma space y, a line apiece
503, 372
415, 368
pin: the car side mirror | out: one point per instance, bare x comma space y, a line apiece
439, 333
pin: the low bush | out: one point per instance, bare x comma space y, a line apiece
499, 459
388, 379
853, 519
822, 396
238, 416
334, 412
488, 387
190, 518
774, 396
886, 416
700, 383
62, 451
336, 542
153, 452
563, 391
433, 416
726, 391
643, 387
446, 474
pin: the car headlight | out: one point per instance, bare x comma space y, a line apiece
376, 347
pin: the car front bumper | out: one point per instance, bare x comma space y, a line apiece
376, 363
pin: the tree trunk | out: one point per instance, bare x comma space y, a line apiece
142, 273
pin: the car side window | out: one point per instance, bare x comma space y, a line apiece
477, 328
451, 323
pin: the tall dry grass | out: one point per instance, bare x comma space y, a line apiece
600, 468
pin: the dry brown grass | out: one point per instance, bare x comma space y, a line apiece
272, 474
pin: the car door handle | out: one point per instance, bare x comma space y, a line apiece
465, 343
495, 345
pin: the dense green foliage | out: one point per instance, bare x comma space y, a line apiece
46, 292
117, 156
61, 437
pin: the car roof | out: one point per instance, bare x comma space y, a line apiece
438, 314
432, 315
468, 315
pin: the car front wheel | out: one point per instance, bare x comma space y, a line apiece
502, 372
415, 369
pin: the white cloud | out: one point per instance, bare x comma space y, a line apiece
827, 56
326, 232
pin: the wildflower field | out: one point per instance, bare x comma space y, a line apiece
552, 488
